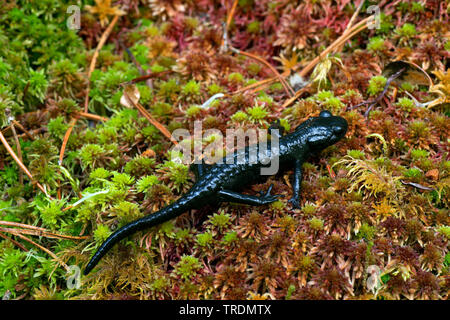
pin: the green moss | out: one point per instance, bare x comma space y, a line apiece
257, 113
334, 104
220, 221
407, 86
139, 166
51, 214
413, 173
99, 174
285, 124
205, 239
376, 44
57, 127
447, 46
406, 104
309, 209
376, 85
122, 179
193, 111
192, 88
356, 154
367, 232
417, 7
316, 224
418, 128
407, 30
187, 267
214, 89
324, 95
239, 116
126, 211
230, 237
254, 27
169, 88
156, 68
445, 231
417, 154
145, 183
236, 77
101, 233
254, 68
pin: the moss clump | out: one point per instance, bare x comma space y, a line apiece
101, 234
254, 27
407, 30
406, 104
236, 77
417, 154
193, 111
365, 202
356, 154
316, 224
187, 267
257, 113
376, 85
145, 183
192, 88
376, 44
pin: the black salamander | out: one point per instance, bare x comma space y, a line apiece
221, 182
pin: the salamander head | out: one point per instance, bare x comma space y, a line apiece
325, 130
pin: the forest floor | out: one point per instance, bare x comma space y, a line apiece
91, 91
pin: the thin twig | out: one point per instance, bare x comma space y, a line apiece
14, 242
33, 132
133, 58
21, 165
146, 77
286, 85
150, 118
21, 225
360, 26
231, 14
46, 250
18, 125
39, 230
19, 150
295, 97
100, 44
355, 14
91, 116
40, 234
66, 139
63, 147
372, 103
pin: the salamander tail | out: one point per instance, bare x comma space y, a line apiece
151, 220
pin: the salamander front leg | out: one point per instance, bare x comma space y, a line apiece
296, 185
231, 196
276, 129
199, 169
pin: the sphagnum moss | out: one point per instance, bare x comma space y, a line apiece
360, 207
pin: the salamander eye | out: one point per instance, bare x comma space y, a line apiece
339, 130
325, 114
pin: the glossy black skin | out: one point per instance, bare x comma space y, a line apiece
220, 182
